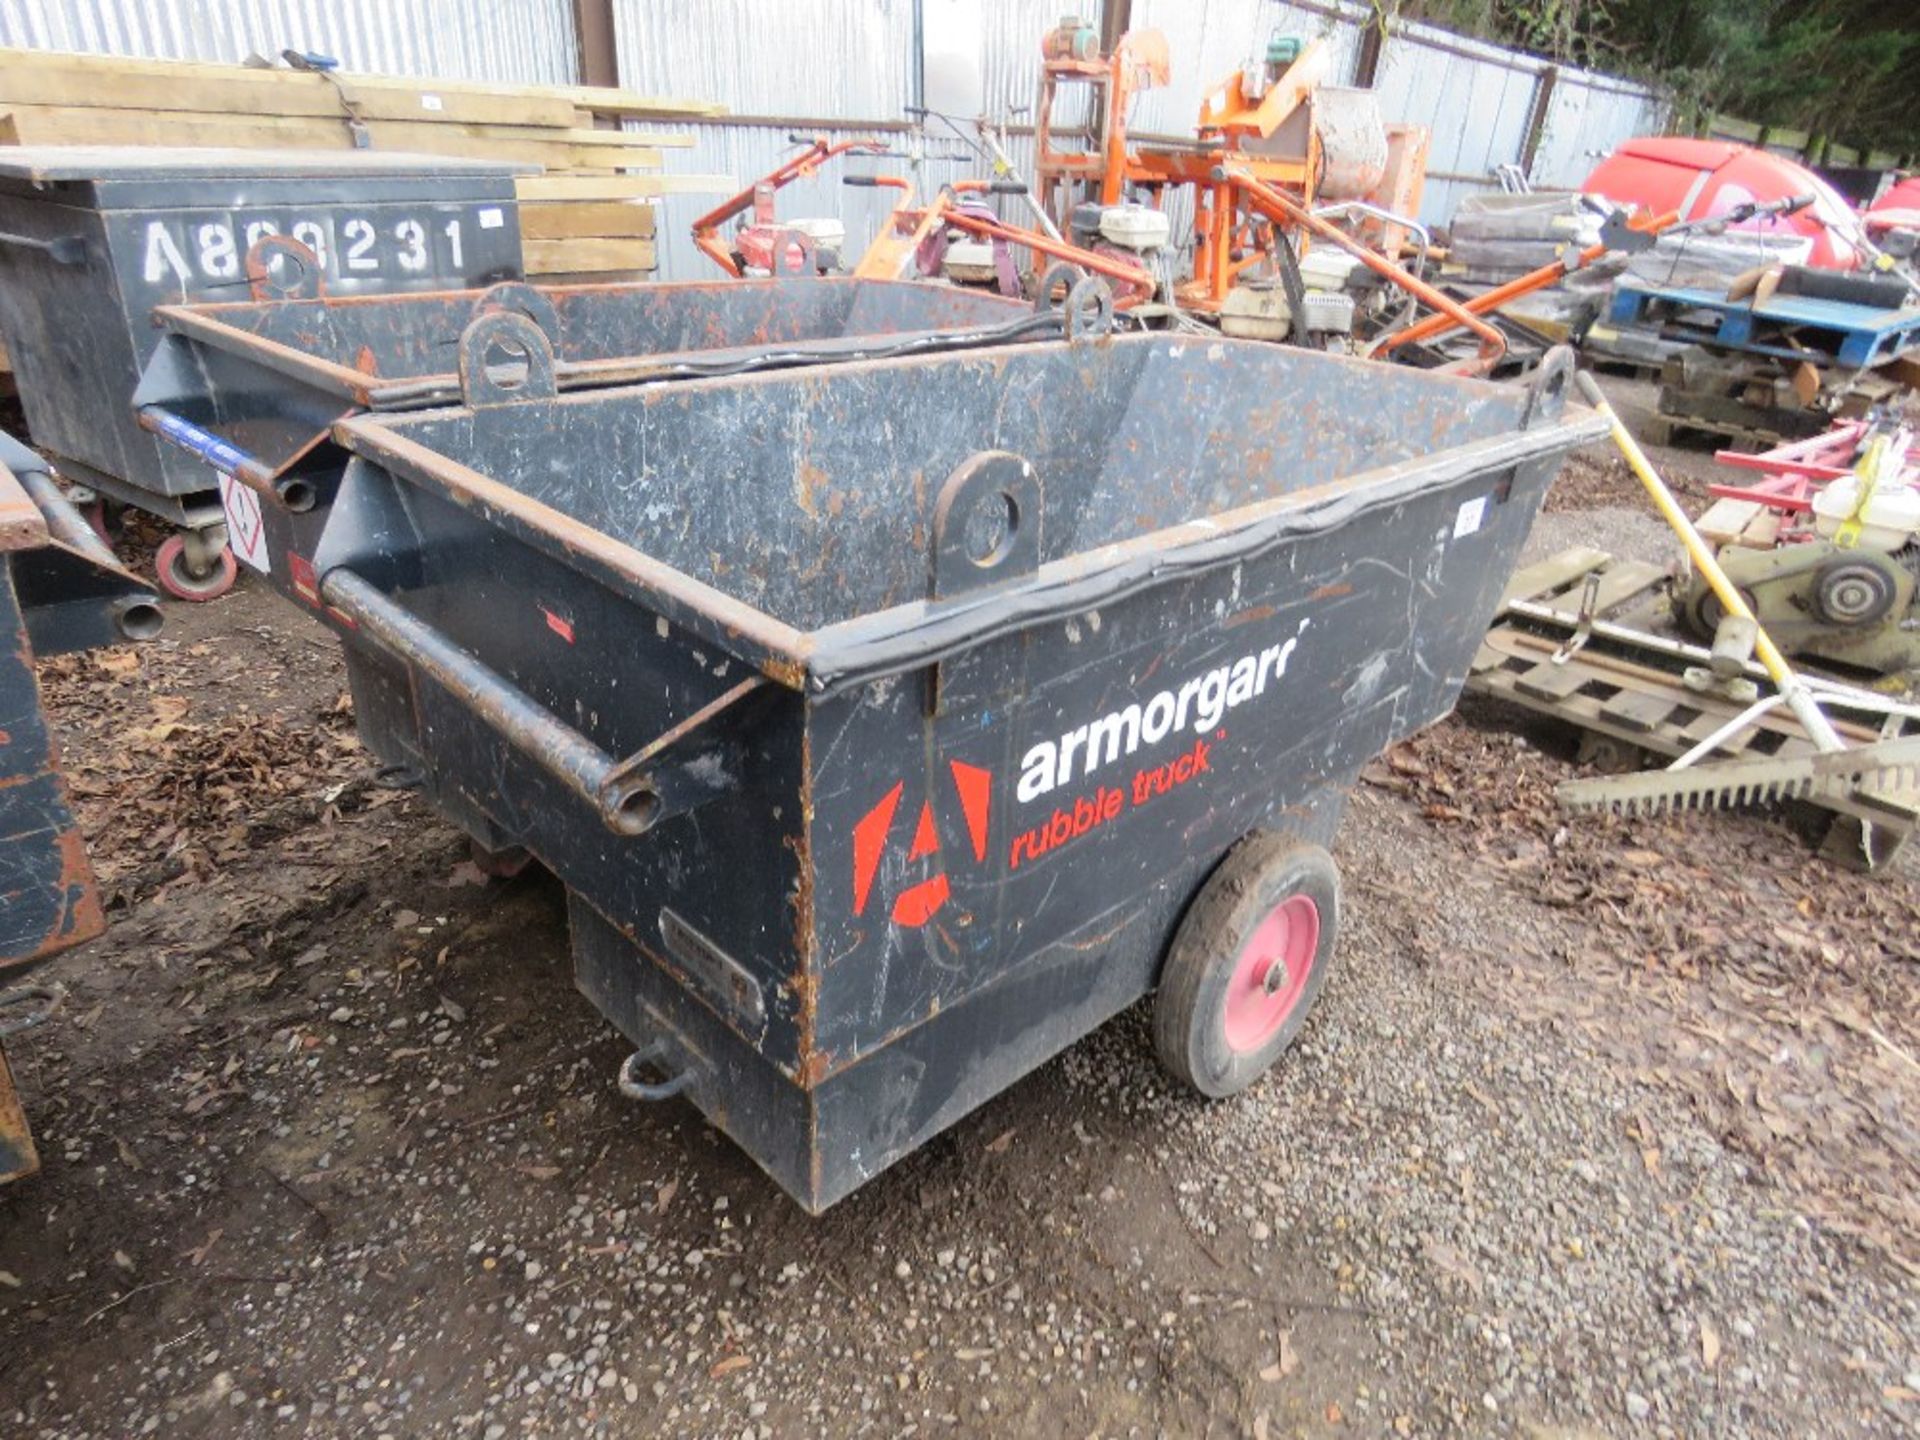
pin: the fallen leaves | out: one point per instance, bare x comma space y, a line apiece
1284, 1364
728, 1366
1773, 990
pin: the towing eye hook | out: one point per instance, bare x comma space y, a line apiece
634, 1088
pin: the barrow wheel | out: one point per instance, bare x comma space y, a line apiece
177, 577
1247, 963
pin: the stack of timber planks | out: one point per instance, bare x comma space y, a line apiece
588, 215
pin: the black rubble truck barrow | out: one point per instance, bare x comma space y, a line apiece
894, 724
60, 590
252, 388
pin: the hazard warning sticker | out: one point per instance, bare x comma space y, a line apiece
246, 533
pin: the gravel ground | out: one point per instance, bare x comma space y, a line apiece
332, 1150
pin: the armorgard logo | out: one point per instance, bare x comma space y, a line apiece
1198, 704
921, 901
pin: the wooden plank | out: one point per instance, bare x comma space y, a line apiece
622, 187
1623, 581
637, 107
550, 257
44, 125
1619, 582
1764, 531
587, 219
1548, 681
1637, 711
604, 157
665, 139
58, 79
1723, 521
1543, 577
52, 77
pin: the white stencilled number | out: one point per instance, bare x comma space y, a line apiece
359, 235
453, 243
314, 238
219, 259
412, 236
258, 230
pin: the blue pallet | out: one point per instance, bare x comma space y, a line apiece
1851, 335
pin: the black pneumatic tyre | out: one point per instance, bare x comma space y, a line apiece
1247, 963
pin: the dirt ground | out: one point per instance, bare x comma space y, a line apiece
1602, 1128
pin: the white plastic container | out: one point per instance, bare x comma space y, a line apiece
1891, 519
1135, 227
1326, 267
825, 234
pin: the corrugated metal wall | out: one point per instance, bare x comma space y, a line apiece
1212, 38
834, 60
524, 42
851, 62
1588, 115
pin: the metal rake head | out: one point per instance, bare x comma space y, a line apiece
1730, 785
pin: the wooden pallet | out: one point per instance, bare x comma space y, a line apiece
1788, 327
1627, 695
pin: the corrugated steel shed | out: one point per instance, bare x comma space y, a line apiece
527, 42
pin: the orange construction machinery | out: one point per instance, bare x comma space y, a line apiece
1276, 122
753, 245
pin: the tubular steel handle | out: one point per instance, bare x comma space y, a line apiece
136, 615
227, 458
627, 801
62, 249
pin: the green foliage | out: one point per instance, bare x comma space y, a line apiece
1839, 68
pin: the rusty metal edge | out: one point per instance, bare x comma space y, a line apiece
777, 649
921, 633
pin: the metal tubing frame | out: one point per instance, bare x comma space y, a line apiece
1526, 284
1283, 209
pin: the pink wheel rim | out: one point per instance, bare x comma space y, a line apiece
1270, 973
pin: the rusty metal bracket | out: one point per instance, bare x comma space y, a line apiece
505, 358
517, 297
798, 243
1547, 387
986, 531
279, 267
1089, 309
986, 524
